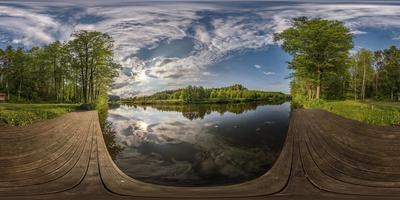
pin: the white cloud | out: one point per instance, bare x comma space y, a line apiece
268, 73
27, 26
257, 66
137, 25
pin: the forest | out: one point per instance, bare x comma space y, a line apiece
198, 94
199, 111
76, 71
325, 66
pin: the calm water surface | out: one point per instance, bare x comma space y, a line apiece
199, 145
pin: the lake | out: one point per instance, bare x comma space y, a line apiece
199, 145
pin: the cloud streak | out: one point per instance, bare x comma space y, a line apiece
229, 31
268, 73
257, 66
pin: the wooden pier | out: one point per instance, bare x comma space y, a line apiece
324, 157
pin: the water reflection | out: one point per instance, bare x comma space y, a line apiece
199, 111
109, 134
195, 145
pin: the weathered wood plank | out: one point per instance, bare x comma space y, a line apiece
325, 156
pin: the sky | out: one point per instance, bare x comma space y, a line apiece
171, 44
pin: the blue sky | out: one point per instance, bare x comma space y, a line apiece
168, 44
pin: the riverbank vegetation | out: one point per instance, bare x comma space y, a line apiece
327, 72
372, 112
200, 95
76, 71
199, 111
23, 114
323, 67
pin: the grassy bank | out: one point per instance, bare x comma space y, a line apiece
17, 114
373, 112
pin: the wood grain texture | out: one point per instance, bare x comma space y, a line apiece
325, 156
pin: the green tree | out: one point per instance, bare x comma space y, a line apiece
319, 48
74, 72
364, 71
378, 64
92, 54
391, 71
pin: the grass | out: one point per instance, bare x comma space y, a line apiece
373, 112
16, 114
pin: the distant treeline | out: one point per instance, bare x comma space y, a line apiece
198, 94
76, 71
199, 111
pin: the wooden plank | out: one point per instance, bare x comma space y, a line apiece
325, 156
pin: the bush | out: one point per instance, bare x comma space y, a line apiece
17, 118
25, 114
87, 106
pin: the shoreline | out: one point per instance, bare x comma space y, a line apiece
211, 101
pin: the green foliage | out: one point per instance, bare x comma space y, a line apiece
199, 111
108, 131
109, 135
73, 72
322, 65
388, 75
320, 50
375, 75
101, 105
194, 94
377, 113
25, 114
362, 73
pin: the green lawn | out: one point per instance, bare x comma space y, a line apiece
16, 114
373, 112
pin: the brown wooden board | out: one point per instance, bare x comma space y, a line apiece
325, 156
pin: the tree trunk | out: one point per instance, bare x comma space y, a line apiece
363, 82
318, 84
91, 84
86, 76
75, 89
355, 88
376, 82
62, 90
83, 86
19, 90
8, 89
55, 78
391, 94
86, 85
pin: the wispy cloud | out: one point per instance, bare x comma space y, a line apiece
138, 25
26, 26
268, 73
257, 66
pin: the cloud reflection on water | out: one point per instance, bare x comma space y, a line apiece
166, 147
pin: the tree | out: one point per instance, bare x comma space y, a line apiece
92, 53
319, 47
76, 71
362, 72
391, 71
198, 94
378, 64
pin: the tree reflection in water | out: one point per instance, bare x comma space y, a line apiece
199, 111
198, 144
109, 133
